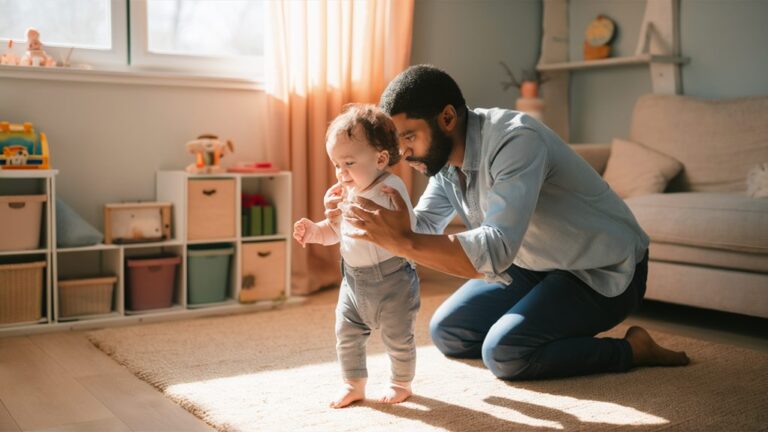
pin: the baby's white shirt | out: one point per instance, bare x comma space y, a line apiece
362, 253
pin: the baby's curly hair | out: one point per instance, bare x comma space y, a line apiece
380, 131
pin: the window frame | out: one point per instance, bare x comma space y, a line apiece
142, 59
92, 58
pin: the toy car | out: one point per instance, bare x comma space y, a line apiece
21, 147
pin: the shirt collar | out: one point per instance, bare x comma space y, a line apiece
472, 142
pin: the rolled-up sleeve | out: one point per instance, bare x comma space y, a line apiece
517, 172
434, 211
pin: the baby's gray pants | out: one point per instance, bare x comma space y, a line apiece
385, 295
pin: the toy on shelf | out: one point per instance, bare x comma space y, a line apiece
137, 222
208, 150
9, 58
258, 215
21, 147
253, 167
35, 55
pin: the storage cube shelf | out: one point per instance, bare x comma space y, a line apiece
87, 287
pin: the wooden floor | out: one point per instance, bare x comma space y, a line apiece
60, 382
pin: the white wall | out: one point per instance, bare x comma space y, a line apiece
107, 140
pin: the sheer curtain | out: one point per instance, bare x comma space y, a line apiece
321, 55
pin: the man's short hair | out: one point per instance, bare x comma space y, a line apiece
422, 92
380, 131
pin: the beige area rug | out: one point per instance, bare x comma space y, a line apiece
276, 371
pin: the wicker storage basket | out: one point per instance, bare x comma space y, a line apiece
21, 292
86, 296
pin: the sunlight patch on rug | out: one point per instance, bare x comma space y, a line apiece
277, 371
284, 399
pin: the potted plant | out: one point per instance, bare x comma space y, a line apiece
529, 101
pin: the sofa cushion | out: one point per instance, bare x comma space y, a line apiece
713, 258
716, 141
634, 169
728, 221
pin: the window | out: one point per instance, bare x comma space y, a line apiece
223, 37
199, 37
75, 31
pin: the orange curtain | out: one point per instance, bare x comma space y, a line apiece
321, 55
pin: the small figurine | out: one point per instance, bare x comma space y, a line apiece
9, 58
208, 150
35, 55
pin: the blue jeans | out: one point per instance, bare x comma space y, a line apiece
540, 326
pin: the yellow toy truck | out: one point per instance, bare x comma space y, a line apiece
21, 147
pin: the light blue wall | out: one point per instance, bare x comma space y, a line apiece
468, 38
726, 40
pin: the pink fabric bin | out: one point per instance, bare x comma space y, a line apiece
150, 282
22, 216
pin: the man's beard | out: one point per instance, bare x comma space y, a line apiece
439, 151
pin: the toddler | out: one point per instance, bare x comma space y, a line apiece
378, 290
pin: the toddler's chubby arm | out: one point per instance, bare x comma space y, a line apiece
325, 233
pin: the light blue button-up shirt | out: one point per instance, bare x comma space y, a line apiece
530, 200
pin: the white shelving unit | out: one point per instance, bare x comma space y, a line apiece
171, 186
34, 182
178, 187
658, 47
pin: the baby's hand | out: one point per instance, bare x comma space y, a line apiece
305, 231
331, 200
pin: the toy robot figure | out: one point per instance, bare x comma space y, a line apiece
208, 151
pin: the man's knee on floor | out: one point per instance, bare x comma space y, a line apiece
507, 362
445, 339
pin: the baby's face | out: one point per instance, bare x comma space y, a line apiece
357, 162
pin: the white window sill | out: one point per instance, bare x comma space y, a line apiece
129, 76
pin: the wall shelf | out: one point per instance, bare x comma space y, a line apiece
610, 62
658, 47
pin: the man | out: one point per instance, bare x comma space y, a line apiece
553, 255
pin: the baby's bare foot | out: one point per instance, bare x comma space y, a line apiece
353, 390
396, 392
646, 352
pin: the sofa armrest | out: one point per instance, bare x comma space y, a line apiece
596, 155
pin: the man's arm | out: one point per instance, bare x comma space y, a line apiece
391, 229
439, 252
518, 171
433, 211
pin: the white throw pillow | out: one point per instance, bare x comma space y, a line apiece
634, 169
757, 181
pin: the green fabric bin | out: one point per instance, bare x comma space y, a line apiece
208, 273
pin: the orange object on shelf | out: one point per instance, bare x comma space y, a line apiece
253, 167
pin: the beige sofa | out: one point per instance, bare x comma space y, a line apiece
709, 239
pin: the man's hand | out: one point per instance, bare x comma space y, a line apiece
331, 200
305, 231
389, 229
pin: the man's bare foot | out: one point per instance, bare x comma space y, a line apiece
396, 392
646, 352
353, 390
